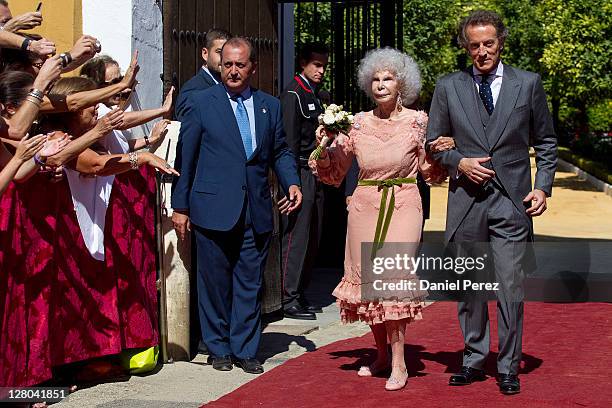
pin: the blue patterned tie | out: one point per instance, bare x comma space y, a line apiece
485, 93
243, 125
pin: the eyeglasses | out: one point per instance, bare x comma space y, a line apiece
113, 82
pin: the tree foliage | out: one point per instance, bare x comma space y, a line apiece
429, 32
567, 42
576, 52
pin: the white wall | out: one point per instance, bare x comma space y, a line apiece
123, 26
110, 21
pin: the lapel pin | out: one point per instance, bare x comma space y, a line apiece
263, 110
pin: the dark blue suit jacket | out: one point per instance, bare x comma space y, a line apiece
199, 82
215, 172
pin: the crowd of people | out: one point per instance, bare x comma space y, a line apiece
77, 208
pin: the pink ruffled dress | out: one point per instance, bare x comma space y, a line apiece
385, 149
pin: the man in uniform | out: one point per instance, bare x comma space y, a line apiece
301, 230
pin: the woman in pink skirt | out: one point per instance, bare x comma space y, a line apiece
388, 143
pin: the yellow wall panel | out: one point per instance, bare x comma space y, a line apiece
62, 20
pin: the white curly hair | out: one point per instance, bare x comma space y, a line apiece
389, 59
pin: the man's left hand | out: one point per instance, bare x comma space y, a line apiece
288, 204
538, 202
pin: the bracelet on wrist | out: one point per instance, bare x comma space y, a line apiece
133, 158
25, 45
36, 93
35, 96
66, 58
34, 101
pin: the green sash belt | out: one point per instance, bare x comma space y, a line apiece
384, 220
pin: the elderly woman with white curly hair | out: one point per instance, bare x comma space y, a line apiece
388, 143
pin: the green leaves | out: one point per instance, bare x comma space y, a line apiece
567, 42
429, 36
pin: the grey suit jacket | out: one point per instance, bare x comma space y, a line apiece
521, 117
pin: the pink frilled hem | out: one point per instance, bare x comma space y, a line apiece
352, 309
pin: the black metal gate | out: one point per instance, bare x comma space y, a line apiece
350, 28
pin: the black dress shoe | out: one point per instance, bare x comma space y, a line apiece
304, 304
313, 308
221, 363
249, 365
509, 384
296, 312
467, 376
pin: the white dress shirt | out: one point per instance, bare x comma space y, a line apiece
210, 75
496, 82
247, 99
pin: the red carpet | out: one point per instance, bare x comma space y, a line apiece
567, 362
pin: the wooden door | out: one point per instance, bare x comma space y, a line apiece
187, 21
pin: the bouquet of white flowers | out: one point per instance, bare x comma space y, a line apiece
334, 120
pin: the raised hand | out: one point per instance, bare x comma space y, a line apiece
54, 145
159, 131
49, 73
27, 148
24, 22
129, 79
167, 106
84, 49
112, 120
42, 47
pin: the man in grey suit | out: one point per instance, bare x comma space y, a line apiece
493, 111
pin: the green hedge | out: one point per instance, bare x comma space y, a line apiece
594, 168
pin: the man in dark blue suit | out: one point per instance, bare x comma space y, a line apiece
210, 73
230, 137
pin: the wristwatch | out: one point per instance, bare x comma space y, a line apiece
66, 58
26, 44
